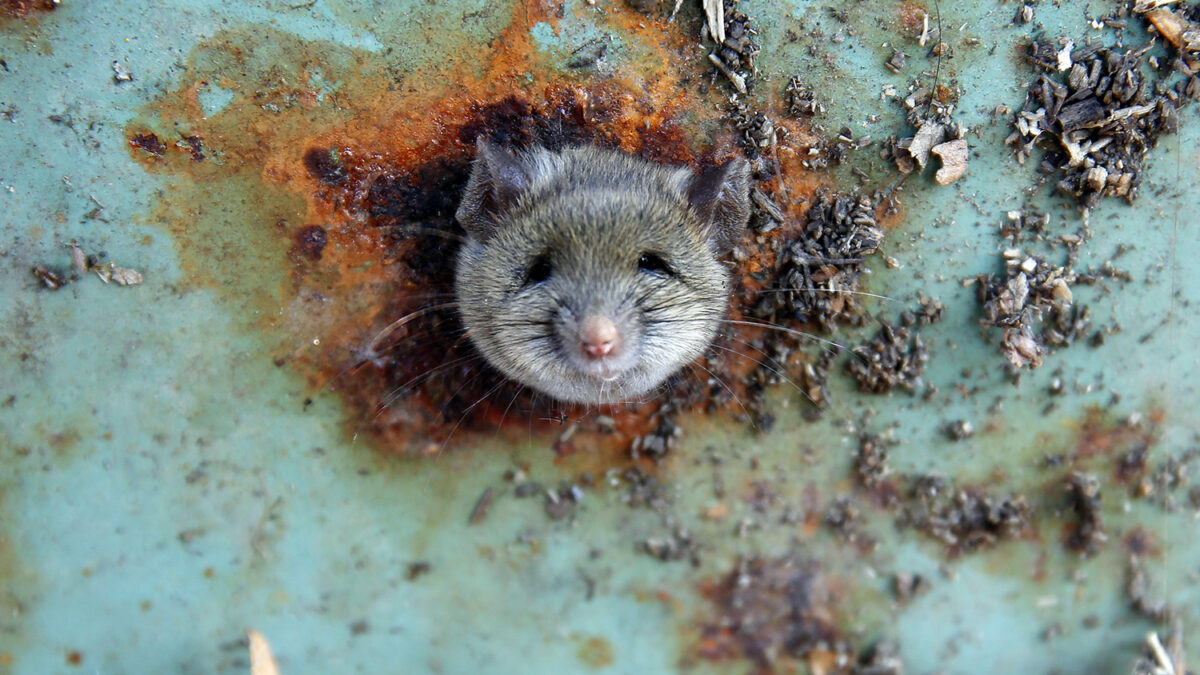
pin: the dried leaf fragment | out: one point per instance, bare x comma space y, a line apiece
954, 160
122, 276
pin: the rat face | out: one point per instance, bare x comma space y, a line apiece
590, 275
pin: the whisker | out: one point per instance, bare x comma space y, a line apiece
467, 411
785, 329
828, 290
452, 236
395, 394
729, 389
374, 343
779, 372
508, 407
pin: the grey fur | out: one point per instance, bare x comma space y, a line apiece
591, 214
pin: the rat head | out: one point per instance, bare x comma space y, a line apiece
591, 275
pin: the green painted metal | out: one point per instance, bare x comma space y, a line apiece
163, 485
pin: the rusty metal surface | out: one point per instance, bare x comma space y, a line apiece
203, 453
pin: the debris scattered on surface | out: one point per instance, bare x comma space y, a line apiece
1019, 222
842, 516
122, 276
1097, 116
1031, 288
590, 54
1137, 587
965, 519
735, 48
892, 358
758, 131
802, 101
121, 73
1160, 659
937, 134
82, 264
481, 506
677, 545
50, 279
1087, 534
870, 462
954, 160
774, 610
959, 430
1167, 478
1183, 32
417, 570
882, 658
658, 443
906, 586
262, 662
563, 502
79, 261
817, 272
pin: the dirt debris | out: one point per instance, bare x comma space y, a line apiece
1138, 588
818, 270
964, 519
892, 358
777, 611
1086, 535
801, 100
1031, 289
734, 45
82, 263
870, 462
1096, 114
937, 134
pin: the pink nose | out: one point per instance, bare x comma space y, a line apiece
599, 336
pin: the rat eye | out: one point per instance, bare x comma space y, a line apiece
654, 264
538, 271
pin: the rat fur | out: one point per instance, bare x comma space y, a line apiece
591, 275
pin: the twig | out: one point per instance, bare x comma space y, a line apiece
738, 81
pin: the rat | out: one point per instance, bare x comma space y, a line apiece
592, 275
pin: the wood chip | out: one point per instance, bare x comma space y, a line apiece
714, 10
739, 82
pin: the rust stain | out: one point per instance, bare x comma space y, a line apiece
1100, 435
17, 593
595, 652
1142, 544
22, 8
325, 213
776, 613
911, 18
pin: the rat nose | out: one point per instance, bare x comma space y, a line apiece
599, 336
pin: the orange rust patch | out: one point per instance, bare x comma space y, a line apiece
314, 189
1099, 435
595, 652
911, 18
19, 8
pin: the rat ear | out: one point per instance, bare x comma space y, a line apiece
498, 178
720, 195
